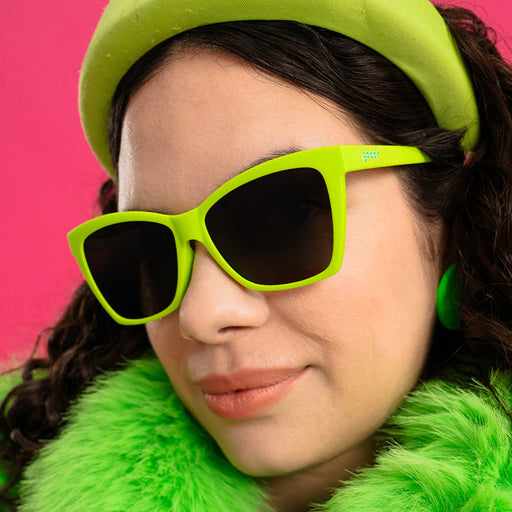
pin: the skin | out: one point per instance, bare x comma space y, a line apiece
361, 336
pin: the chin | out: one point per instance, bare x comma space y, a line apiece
273, 456
265, 467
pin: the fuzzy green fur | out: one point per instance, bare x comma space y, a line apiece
7, 382
131, 446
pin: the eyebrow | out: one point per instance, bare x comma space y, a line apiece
275, 153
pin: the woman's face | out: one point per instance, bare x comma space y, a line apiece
290, 380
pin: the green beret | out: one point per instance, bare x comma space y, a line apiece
410, 33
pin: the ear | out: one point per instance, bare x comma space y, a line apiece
468, 156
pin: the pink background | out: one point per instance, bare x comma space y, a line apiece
48, 177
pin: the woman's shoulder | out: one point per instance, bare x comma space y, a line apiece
447, 447
466, 410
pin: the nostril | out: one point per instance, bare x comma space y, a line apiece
227, 330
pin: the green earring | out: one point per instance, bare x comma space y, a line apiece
447, 303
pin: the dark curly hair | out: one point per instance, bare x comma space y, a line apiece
471, 196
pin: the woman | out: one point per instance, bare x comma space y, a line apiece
294, 189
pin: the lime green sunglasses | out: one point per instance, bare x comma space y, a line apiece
275, 226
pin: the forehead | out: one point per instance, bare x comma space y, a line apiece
205, 117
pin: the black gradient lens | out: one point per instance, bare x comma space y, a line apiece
134, 266
276, 229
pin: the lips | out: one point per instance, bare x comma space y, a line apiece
248, 393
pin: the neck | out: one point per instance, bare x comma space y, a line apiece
297, 491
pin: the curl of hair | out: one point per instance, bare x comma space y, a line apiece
84, 343
481, 224
472, 197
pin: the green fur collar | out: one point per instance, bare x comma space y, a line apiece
130, 446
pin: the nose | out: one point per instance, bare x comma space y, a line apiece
215, 306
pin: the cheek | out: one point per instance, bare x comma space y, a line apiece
170, 347
393, 295
174, 352
384, 266
374, 318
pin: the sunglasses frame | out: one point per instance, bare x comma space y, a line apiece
332, 162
